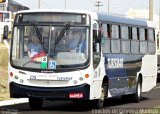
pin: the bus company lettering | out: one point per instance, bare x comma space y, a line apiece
64, 78
115, 62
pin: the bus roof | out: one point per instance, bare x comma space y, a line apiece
124, 20
99, 16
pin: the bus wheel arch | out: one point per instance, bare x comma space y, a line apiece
103, 94
105, 84
140, 77
105, 81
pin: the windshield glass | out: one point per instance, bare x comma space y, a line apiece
50, 47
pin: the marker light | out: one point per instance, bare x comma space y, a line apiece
11, 74
86, 75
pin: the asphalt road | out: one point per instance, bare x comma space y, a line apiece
149, 100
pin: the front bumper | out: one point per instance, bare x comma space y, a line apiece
61, 93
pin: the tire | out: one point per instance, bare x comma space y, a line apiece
35, 103
137, 95
100, 102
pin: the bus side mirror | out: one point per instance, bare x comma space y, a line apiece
97, 36
5, 32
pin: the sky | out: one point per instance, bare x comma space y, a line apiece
115, 6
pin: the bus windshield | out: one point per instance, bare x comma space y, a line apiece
58, 46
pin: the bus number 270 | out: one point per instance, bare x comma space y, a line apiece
32, 77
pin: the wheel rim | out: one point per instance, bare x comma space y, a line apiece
139, 90
102, 95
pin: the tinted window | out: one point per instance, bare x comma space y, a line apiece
115, 31
105, 39
134, 33
124, 32
151, 43
150, 34
142, 34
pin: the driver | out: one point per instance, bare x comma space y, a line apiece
34, 46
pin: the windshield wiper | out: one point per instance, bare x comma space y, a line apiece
60, 36
26, 63
38, 32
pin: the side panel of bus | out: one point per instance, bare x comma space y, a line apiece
127, 57
122, 72
149, 72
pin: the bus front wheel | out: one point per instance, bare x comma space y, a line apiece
100, 102
137, 95
35, 103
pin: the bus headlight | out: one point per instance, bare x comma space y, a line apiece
75, 81
21, 81
81, 78
16, 77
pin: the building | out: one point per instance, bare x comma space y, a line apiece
11, 5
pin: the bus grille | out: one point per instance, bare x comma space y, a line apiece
48, 82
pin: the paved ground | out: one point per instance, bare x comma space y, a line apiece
149, 100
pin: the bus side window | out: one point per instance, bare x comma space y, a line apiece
115, 41
125, 42
134, 41
104, 30
115, 31
142, 34
143, 41
134, 33
105, 38
151, 42
151, 35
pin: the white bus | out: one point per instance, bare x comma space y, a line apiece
117, 56
5, 20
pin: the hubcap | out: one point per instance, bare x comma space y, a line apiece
102, 95
139, 90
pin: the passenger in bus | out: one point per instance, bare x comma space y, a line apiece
34, 46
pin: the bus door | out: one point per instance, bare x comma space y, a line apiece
96, 45
98, 60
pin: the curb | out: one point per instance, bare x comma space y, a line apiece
13, 102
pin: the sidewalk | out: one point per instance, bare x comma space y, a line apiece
6, 100
13, 102
4, 94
